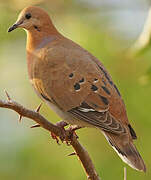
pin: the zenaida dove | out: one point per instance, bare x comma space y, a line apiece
75, 84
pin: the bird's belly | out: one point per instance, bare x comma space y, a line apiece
66, 116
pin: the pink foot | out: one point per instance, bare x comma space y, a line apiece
60, 124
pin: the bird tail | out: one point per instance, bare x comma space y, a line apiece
127, 151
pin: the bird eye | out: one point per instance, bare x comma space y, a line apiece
28, 16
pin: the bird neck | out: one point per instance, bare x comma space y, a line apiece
35, 37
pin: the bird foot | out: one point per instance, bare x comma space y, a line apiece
72, 130
55, 137
66, 135
60, 124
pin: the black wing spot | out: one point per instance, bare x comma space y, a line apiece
82, 80
71, 75
133, 134
118, 92
104, 99
95, 79
77, 86
106, 90
94, 88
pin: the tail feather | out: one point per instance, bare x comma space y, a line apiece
127, 152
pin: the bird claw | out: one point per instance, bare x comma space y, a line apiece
55, 137
66, 135
62, 137
72, 130
70, 133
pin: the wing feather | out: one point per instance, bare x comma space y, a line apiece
77, 78
103, 120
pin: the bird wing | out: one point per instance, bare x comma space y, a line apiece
79, 84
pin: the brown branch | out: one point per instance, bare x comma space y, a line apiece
39, 119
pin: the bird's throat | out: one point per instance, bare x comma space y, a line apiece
34, 39
37, 39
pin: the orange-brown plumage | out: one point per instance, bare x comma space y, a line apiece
75, 84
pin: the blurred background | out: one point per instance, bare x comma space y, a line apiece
107, 29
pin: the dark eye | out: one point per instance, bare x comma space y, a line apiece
28, 16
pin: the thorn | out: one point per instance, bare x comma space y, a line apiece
38, 108
8, 97
36, 125
72, 154
20, 118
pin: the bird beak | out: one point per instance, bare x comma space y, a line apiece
14, 26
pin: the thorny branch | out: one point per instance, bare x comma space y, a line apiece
80, 151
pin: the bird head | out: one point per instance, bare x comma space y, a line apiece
32, 19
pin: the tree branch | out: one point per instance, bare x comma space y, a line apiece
38, 118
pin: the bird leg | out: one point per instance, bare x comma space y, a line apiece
67, 138
61, 124
72, 130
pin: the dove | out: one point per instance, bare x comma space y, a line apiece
75, 84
